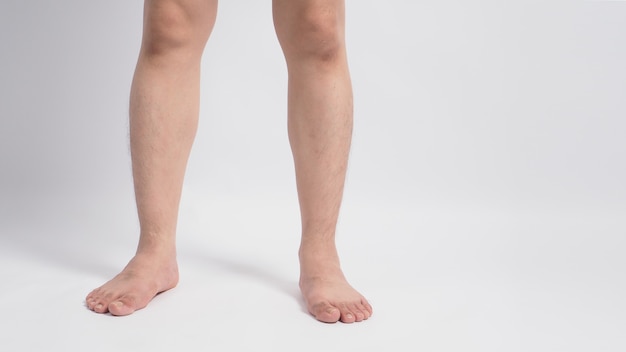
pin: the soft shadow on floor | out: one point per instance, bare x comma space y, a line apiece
64, 250
259, 273
67, 233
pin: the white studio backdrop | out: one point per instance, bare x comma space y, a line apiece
457, 104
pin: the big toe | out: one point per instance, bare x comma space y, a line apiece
121, 307
325, 312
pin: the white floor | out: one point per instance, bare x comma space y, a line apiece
463, 280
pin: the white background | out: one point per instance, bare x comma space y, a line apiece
485, 206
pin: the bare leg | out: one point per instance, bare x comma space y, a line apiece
311, 34
163, 119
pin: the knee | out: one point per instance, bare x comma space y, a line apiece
315, 35
169, 30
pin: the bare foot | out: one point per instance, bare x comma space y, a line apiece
145, 276
327, 293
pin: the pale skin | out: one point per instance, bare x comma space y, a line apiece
164, 106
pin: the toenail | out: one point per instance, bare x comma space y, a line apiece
98, 307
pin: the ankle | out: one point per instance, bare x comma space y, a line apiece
318, 260
156, 248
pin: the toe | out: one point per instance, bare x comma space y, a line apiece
90, 301
359, 315
122, 306
347, 315
325, 312
96, 301
367, 307
100, 308
100, 302
365, 310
